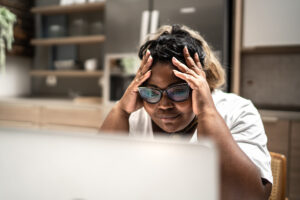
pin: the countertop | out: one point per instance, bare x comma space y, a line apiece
267, 115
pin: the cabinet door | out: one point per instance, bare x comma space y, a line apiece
271, 22
278, 135
294, 175
123, 24
17, 112
71, 116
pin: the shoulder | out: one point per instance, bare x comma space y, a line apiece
234, 108
240, 115
246, 127
229, 101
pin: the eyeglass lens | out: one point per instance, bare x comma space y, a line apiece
176, 93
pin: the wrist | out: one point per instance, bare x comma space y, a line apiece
207, 113
119, 109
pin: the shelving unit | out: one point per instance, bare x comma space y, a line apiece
68, 45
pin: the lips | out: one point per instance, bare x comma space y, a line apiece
168, 118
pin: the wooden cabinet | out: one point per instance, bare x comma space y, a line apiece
265, 61
294, 174
45, 115
283, 132
266, 23
72, 116
277, 131
18, 112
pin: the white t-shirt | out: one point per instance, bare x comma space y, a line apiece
242, 119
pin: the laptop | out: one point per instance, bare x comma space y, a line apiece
56, 165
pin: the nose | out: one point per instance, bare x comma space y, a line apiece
165, 102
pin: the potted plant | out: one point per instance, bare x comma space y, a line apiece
7, 20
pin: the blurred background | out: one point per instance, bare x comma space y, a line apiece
71, 60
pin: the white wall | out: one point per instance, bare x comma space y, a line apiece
271, 22
16, 80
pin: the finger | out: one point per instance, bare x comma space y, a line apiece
144, 61
140, 80
189, 60
191, 80
147, 65
198, 63
182, 67
145, 57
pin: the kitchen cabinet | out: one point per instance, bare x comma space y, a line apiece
295, 161
283, 132
265, 23
266, 57
278, 134
71, 116
127, 31
26, 114
68, 34
50, 114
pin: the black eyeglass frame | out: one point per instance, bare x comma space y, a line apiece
161, 91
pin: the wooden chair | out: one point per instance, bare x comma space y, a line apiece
278, 164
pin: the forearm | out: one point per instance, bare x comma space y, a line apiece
116, 121
240, 179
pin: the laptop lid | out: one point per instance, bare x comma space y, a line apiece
47, 165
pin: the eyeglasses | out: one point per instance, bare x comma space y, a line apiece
178, 93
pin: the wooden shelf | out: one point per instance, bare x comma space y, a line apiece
69, 40
66, 73
64, 9
271, 49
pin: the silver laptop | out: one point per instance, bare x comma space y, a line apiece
46, 165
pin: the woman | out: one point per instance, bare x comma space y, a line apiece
175, 93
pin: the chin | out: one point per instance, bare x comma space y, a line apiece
170, 128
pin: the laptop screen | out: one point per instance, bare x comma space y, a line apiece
47, 165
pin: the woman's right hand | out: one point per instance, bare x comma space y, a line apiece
131, 101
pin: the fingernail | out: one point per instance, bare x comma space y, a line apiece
150, 58
196, 55
174, 59
186, 49
148, 52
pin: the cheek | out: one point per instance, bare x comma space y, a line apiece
184, 107
150, 108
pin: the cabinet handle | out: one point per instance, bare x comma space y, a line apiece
154, 21
144, 25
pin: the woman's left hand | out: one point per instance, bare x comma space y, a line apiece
194, 75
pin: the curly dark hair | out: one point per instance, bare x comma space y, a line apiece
169, 42
169, 45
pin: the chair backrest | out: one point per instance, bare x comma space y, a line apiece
278, 164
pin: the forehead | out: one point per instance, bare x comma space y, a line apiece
162, 75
